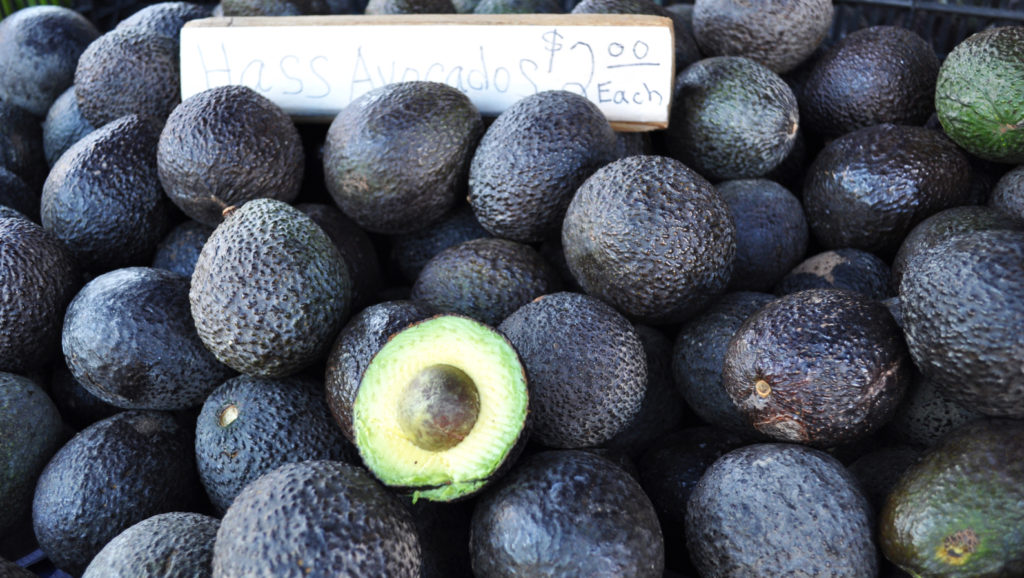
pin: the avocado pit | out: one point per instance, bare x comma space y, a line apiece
438, 407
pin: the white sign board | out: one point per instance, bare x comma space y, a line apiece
313, 66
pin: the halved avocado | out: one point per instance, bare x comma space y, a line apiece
441, 407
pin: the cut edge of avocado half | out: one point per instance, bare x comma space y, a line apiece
441, 407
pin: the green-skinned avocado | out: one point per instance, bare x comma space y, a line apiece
441, 408
956, 512
270, 290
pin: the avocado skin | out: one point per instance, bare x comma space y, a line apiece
39, 50
270, 290
146, 455
77, 406
103, 198
844, 268
778, 509
970, 482
834, 360
698, 353
323, 516
21, 145
166, 18
40, 279
585, 365
410, 7
532, 159
150, 356
731, 118
925, 415
868, 188
225, 146
943, 225
566, 512
179, 250
279, 421
395, 159
874, 75
31, 431
771, 232
356, 248
128, 71
174, 542
63, 126
877, 470
518, 7
963, 306
486, 279
14, 193
411, 251
608, 230
1008, 193
360, 339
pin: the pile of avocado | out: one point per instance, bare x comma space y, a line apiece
783, 336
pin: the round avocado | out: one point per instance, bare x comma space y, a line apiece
956, 512
586, 365
173, 543
14, 193
868, 188
566, 512
103, 198
925, 415
63, 126
651, 237
396, 158
179, 250
486, 279
873, 75
166, 18
441, 407
1008, 193
356, 248
845, 268
411, 251
21, 145
270, 290
778, 509
227, 145
532, 159
731, 118
31, 431
77, 406
273, 7
150, 356
963, 307
979, 94
320, 516
821, 367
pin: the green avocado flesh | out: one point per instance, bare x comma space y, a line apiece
440, 407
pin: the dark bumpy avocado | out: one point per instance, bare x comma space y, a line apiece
650, 236
1008, 193
21, 145
251, 425
820, 366
963, 309
40, 279
945, 224
63, 126
957, 511
174, 542
114, 473
771, 232
166, 18
39, 50
103, 198
360, 339
686, 51
14, 193
698, 354
273, 7
410, 7
77, 406
586, 365
441, 408
356, 248
868, 188
874, 75
845, 268
179, 250
979, 94
270, 290
779, 35
566, 512
731, 118
31, 431
780, 510
486, 279
878, 469
518, 7
396, 158
925, 415
225, 146
327, 517
149, 355
411, 251
128, 71
532, 159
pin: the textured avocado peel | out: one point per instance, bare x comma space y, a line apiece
957, 547
441, 407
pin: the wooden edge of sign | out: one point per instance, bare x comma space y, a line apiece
435, 20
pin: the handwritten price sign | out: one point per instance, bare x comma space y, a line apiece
313, 66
